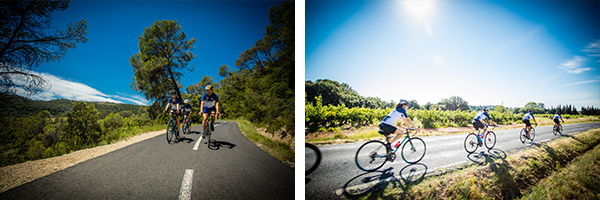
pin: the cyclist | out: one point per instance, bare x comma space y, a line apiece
528, 115
210, 105
187, 110
556, 122
387, 127
174, 103
482, 116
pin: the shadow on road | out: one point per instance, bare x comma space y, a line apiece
371, 184
182, 139
484, 157
216, 145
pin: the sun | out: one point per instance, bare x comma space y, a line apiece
417, 7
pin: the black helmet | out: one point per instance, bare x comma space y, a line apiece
173, 93
557, 112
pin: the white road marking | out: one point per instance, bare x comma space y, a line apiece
186, 186
197, 143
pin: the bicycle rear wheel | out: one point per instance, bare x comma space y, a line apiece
312, 157
471, 143
413, 150
170, 131
523, 135
490, 139
371, 155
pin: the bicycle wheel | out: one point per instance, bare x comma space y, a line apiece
312, 158
554, 130
371, 155
170, 131
490, 139
471, 143
413, 150
532, 134
560, 129
523, 135
208, 133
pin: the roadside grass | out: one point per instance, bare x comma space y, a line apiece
578, 180
365, 134
279, 150
125, 132
494, 174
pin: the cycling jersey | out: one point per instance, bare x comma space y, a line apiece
556, 116
528, 116
174, 103
394, 116
210, 101
187, 108
481, 116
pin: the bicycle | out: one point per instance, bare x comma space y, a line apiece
187, 123
524, 136
171, 127
557, 129
373, 154
472, 141
209, 129
312, 157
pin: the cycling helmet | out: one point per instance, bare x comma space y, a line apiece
403, 101
173, 93
529, 111
186, 101
486, 108
209, 87
557, 112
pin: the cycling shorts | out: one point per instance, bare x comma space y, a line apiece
477, 124
557, 121
386, 129
209, 110
527, 123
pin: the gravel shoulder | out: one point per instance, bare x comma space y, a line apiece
19, 174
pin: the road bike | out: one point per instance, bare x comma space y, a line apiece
312, 157
187, 123
209, 129
472, 141
373, 154
172, 127
524, 136
557, 129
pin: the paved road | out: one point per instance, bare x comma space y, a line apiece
153, 169
338, 174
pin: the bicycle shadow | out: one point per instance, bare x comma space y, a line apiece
182, 139
501, 169
484, 157
216, 145
371, 184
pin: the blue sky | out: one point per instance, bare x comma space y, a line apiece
99, 70
487, 52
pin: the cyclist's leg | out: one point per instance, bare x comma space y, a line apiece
386, 130
205, 118
212, 116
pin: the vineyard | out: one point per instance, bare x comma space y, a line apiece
322, 118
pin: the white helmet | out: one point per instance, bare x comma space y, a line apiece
186, 101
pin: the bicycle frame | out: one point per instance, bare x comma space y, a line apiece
403, 140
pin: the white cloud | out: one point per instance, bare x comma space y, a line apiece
574, 66
61, 88
428, 29
593, 48
581, 82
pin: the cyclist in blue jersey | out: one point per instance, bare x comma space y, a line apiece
526, 118
556, 122
386, 125
187, 110
482, 116
174, 103
210, 105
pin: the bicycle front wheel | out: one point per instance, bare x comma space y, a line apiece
532, 133
523, 135
554, 130
371, 155
490, 139
208, 133
413, 150
170, 131
312, 157
471, 143
560, 130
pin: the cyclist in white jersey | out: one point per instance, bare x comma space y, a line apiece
386, 125
526, 118
174, 103
209, 106
555, 119
482, 116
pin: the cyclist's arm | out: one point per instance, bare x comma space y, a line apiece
201, 107
167, 107
217, 106
408, 122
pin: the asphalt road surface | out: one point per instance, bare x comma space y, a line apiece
338, 174
233, 168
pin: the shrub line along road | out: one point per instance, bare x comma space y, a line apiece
338, 174
153, 169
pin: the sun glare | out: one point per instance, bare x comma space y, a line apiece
417, 7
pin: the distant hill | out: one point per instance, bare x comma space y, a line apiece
11, 105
